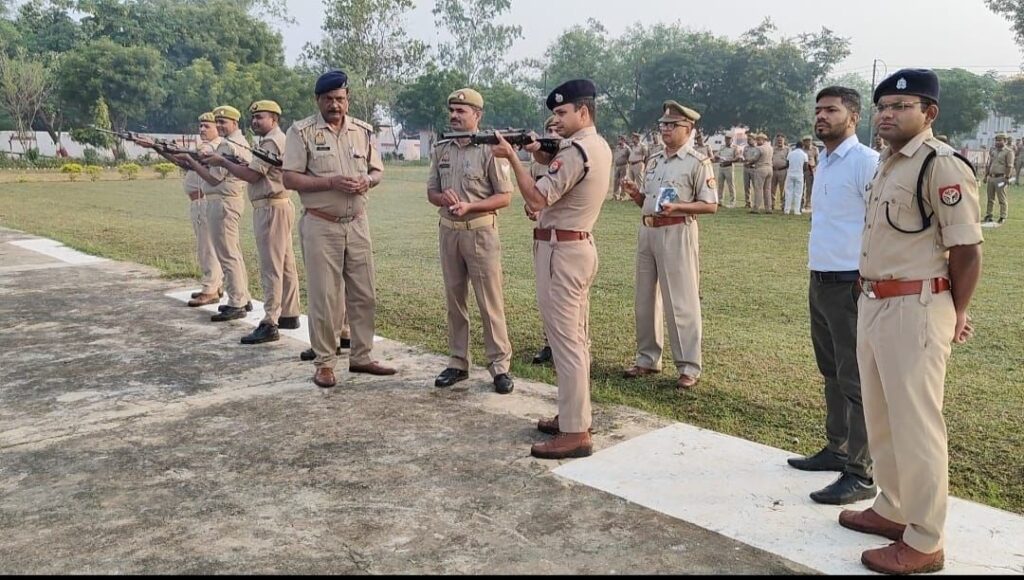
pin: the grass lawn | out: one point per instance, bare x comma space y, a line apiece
760, 380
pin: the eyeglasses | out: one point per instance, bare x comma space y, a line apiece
673, 124
896, 107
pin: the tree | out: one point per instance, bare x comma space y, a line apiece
367, 39
25, 84
506, 105
966, 100
1009, 99
478, 45
1012, 10
422, 104
128, 77
100, 120
47, 26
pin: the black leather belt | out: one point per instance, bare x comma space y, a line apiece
835, 277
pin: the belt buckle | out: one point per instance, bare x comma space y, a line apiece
868, 287
649, 221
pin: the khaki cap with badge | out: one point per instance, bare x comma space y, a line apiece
227, 112
207, 118
674, 113
265, 106
466, 97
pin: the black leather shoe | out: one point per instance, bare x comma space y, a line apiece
265, 332
503, 384
228, 314
543, 356
847, 489
449, 377
823, 460
247, 307
288, 322
308, 355
987, 219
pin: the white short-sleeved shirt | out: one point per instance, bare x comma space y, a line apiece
797, 157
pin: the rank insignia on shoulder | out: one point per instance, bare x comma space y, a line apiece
555, 166
950, 195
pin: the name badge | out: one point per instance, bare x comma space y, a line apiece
323, 148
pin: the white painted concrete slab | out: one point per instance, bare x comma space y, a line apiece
57, 250
747, 492
253, 318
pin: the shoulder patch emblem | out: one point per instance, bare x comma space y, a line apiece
950, 195
712, 184
555, 166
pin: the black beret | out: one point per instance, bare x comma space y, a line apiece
331, 80
921, 82
570, 91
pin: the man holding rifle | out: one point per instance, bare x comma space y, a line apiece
272, 218
470, 185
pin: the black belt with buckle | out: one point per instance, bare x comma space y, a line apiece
835, 277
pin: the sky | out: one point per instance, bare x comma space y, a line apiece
902, 33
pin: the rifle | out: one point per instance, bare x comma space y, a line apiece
515, 137
166, 147
268, 156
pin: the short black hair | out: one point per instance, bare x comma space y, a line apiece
850, 97
588, 102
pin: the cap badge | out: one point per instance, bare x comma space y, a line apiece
901, 84
461, 96
559, 98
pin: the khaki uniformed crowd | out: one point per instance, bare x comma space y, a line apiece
909, 309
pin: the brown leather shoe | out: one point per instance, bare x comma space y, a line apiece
686, 382
869, 522
900, 558
324, 378
564, 445
374, 368
220, 293
550, 426
637, 372
203, 299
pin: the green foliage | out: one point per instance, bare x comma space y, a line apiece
967, 99
90, 155
1012, 10
129, 170
1009, 99
479, 44
164, 169
506, 105
94, 172
422, 104
88, 136
72, 170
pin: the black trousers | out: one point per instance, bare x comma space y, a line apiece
833, 306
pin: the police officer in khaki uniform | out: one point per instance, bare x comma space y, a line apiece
331, 159
920, 263
780, 165
750, 155
225, 205
569, 199
637, 159
469, 186
620, 159
667, 260
206, 255
997, 174
812, 162
762, 174
272, 218
538, 169
1018, 160
725, 158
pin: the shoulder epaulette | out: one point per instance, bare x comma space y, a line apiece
363, 124
303, 123
694, 153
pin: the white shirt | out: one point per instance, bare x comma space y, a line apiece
797, 158
839, 206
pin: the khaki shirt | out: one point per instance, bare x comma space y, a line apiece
621, 155
1001, 162
229, 186
472, 171
812, 159
638, 153
950, 191
272, 184
728, 153
313, 148
538, 170
688, 171
192, 182
780, 158
704, 150
575, 196
764, 159
750, 155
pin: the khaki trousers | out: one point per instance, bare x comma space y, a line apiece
996, 192
272, 226
223, 216
748, 185
808, 188
475, 256
636, 174
206, 255
668, 266
903, 345
565, 272
725, 177
621, 172
340, 281
762, 188
778, 188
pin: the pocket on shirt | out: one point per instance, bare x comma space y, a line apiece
901, 207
